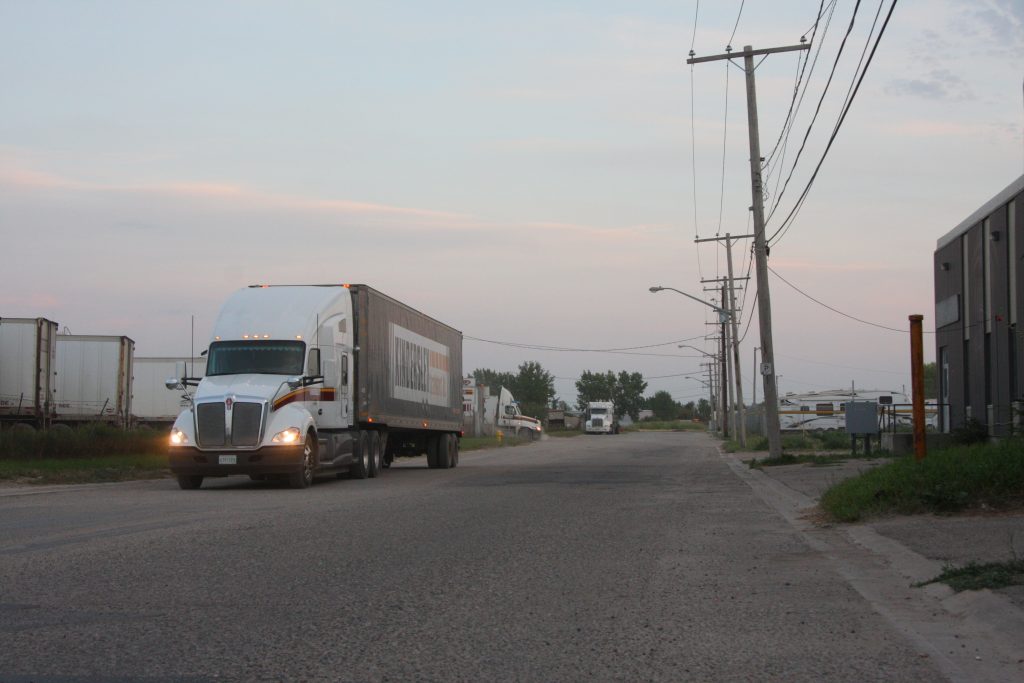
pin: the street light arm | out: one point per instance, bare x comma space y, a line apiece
717, 309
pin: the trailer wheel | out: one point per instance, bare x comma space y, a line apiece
453, 450
375, 456
444, 451
433, 446
360, 469
304, 477
189, 482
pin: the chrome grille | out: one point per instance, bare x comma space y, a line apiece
210, 424
246, 419
597, 422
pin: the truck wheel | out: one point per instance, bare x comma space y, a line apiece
189, 482
529, 435
433, 446
360, 469
374, 454
453, 450
304, 477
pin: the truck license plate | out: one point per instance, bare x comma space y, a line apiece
228, 460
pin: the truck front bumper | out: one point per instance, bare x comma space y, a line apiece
188, 460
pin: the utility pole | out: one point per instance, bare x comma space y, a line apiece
739, 412
724, 359
771, 393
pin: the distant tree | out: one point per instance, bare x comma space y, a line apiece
532, 386
495, 379
704, 410
931, 381
688, 412
628, 392
663, 405
594, 386
534, 389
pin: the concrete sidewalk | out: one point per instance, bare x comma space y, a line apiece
880, 556
952, 539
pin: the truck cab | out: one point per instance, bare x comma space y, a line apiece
600, 418
510, 419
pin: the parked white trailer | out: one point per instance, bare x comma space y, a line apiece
152, 404
826, 410
28, 361
94, 378
319, 378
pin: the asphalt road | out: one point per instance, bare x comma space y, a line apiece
634, 557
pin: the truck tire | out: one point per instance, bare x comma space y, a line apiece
453, 457
433, 446
360, 469
444, 452
303, 479
375, 456
189, 482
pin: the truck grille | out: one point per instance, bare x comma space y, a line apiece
246, 425
597, 422
210, 424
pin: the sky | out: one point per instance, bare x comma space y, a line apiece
524, 172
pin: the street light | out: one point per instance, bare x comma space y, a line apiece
709, 355
723, 315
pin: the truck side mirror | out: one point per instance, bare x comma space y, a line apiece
179, 370
313, 363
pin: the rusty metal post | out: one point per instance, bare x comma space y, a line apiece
917, 384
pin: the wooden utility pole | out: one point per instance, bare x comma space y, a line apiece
771, 392
729, 303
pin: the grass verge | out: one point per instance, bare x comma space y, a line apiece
563, 433
947, 481
974, 576
83, 470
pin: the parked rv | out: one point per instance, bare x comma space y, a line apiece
152, 404
505, 412
600, 418
94, 379
319, 378
826, 410
28, 361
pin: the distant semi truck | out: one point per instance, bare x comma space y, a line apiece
504, 410
600, 418
319, 378
28, 366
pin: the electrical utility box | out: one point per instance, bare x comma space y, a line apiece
862, 418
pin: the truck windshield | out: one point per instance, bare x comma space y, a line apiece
598, 411
259, 357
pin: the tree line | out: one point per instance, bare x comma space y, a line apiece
534, 388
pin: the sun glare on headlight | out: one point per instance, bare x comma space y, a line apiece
290, 435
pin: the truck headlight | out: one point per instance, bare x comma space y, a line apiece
178, 437
290, 435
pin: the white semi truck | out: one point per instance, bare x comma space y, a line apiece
601, 418
504, 410
306, 379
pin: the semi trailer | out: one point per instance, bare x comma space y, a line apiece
305, 379
94, 379
152, 404
28, 363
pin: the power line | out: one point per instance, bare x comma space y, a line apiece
725, 136
545, 347
736, 25
832, 308
817, 110
835, 132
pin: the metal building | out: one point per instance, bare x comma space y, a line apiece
979, 303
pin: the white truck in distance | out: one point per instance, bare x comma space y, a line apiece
504, 409
318, 378
601, 418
